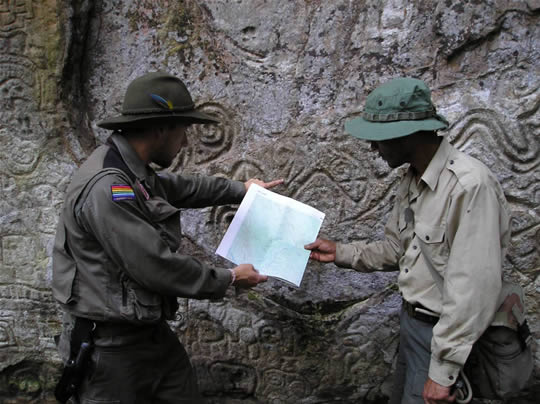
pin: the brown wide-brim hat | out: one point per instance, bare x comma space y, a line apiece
156, 98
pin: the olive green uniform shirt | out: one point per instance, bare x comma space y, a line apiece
456, 220
116, 256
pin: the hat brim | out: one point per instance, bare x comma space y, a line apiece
377, 131
131, 121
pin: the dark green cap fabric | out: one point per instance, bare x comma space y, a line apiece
154, 98
397, 108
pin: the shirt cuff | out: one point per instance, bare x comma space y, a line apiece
238, 189
344, 255
224, 277
233, 276
443, 373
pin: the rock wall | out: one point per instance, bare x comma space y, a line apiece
283, 76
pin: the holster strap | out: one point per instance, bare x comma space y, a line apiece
82, 332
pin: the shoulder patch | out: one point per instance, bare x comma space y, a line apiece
121, 192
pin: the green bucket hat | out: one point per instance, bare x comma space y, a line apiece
156, 97
397, 108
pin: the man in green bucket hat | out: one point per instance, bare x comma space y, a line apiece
117, 264
450, 221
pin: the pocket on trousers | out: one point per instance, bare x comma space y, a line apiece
419, 380
101, 382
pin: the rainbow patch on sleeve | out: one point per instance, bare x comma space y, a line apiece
121, 192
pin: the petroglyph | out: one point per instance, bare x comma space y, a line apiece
282, 77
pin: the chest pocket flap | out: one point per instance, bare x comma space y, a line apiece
429, 234
160, 209
167, 218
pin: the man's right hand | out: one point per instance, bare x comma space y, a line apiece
322, 250
246, 276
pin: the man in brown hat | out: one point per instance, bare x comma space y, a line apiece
117, 270
446, 236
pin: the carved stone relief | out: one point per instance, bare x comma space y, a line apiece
282, 77
31, 181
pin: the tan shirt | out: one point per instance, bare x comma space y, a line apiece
455, 219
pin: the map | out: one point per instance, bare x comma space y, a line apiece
269, 231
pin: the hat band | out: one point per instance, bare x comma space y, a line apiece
142, 111
399, 116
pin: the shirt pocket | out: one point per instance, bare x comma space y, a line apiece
64, 268
167, 218
432, 241
139, 303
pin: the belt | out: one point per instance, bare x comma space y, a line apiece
108, 329
412, 311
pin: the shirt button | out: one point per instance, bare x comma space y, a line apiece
451, 377
414, 247
451, 161
427, 237
406, 270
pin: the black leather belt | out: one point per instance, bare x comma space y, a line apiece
107, 329
412, 312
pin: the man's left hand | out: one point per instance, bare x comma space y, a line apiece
434, 393
263, 184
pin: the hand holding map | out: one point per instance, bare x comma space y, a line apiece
269, 231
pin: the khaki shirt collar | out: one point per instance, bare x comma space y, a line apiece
437, 164
130, 157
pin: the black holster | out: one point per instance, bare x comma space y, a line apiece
81, 346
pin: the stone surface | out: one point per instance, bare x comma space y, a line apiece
283, 76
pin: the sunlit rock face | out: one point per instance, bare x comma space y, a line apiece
282, 76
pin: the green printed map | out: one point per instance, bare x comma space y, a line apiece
269, 231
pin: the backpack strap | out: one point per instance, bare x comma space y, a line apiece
511, 311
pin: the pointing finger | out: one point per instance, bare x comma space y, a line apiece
273, 183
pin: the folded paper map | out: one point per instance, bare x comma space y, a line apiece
269, 231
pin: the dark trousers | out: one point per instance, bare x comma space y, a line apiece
150, 367
413, 360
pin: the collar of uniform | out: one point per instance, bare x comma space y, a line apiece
130, 157
437, 164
